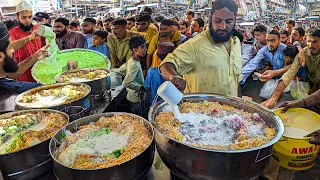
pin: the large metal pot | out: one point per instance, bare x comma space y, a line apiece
135, 169
98, 86
29, 163
34, 67
192, 163
75, 102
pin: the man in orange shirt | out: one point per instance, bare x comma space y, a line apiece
24, 33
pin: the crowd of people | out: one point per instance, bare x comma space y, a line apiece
196, 56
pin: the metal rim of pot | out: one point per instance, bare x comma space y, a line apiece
57, 77
280, 126
12, 114
34, 67
109, 114
16, 100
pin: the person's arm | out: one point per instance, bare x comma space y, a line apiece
252, 64
80, 41
281, 71
149, 60
107, 51
26, 64
178, 63
113, 55
284, 82
19, 43
169, 73
316, 137
313, 99
131, 74
301, 56
247, 54
309, 101
147, 81
269, 74
151, 49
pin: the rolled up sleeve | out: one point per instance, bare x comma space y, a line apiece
291, 73
182, 58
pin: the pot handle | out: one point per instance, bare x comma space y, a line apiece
261, 158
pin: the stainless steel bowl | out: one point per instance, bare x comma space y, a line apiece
188, 162
134, 169
98, 86
28, 163
75, 102
34, 67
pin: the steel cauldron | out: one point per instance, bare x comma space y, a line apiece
134, 169
28, 163
98, 86
193, 163
75, 102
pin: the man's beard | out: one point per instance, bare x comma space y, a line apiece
273, 51
88, 32
25, 28
62, 33
217, 37
10, 66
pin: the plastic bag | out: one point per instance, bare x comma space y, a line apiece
289, 87
268, 88
53, 50
300, 90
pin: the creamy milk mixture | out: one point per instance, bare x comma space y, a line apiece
293, 132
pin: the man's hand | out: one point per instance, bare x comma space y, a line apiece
316, 139
179, 82
247, 98
270, 103
267, 75
301, 56
302, 59
291, 104
72, 65
42, 53
33, 36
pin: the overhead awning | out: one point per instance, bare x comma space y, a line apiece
246, 24
309, 18
149, 5
115, 10
132, 8
75, 8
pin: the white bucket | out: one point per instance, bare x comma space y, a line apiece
44, 31
169, 93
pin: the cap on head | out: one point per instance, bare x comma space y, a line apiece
23, 6
40, 15
4, 35
165, 47
232, 5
